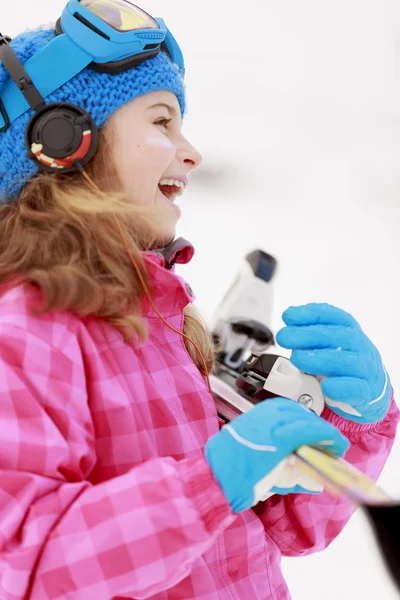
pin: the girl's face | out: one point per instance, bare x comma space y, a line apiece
152, 157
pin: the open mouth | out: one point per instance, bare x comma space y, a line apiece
171, 188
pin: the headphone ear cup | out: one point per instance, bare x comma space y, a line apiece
60, 135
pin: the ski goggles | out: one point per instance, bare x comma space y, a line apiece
109, 36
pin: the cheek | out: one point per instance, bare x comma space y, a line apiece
141, 163
159, 148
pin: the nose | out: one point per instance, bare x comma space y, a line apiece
188, 154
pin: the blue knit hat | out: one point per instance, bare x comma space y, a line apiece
100, 94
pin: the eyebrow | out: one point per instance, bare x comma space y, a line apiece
171, 109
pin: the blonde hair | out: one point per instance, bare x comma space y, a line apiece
61, 236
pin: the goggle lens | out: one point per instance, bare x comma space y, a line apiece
120, 14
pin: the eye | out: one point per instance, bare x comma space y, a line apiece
164, 122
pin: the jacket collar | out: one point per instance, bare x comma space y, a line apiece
169, 291
179, 251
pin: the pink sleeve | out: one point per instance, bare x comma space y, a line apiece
135, 535
301, 524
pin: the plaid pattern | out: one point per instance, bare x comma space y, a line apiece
300, 526
104, 490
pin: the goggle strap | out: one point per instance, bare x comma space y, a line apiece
63, 60
20, 77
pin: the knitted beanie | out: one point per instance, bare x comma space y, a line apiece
100, 94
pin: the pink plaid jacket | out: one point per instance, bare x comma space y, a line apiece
104, 489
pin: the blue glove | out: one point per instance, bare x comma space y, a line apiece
329, 343
245, 453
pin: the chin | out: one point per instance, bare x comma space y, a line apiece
163, 238
167, 239
163, 226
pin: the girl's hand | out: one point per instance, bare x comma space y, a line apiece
329, 343
248, 455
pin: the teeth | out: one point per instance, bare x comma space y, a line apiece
176, 182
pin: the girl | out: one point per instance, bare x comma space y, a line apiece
115, 481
